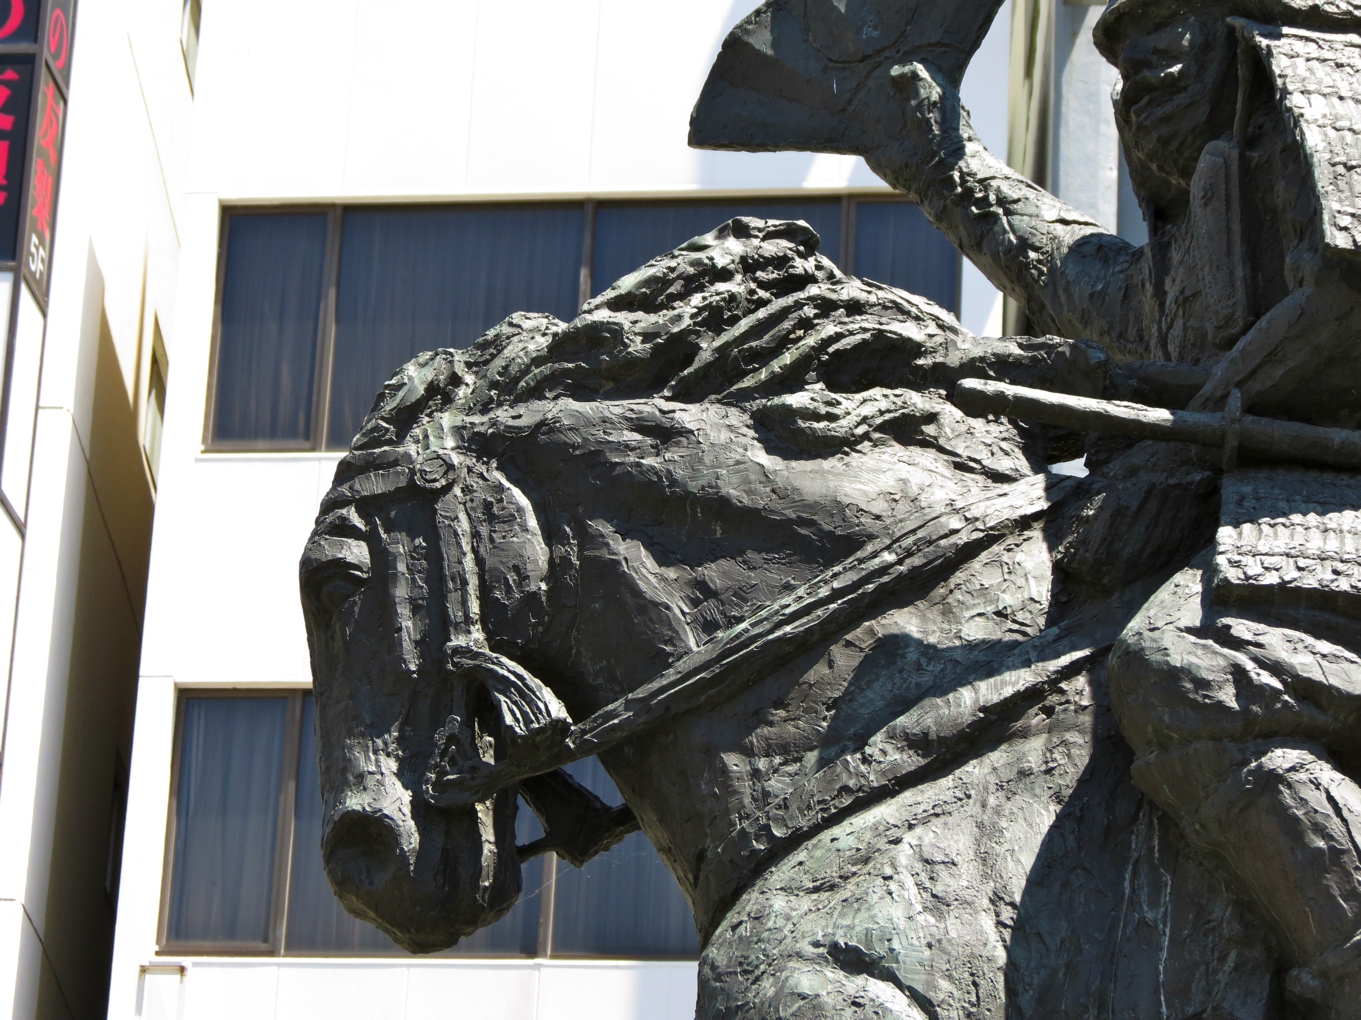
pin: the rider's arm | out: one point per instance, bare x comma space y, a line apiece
1072, 277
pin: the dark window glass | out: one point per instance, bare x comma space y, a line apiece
267, 342
624, 902
412, 280
317, 923
226, 820
630, 235
896, 244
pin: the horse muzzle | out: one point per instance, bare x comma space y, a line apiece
425, 876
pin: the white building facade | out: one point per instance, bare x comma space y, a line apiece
264, 209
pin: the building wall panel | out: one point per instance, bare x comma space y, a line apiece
411, 99
227, 610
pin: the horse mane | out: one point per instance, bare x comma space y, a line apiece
747, 309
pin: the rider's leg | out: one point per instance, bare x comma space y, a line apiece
1278, 820
1236, 752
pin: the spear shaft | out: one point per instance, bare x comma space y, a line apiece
1259, 437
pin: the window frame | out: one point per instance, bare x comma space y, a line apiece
335, 212
283, 830
324, 341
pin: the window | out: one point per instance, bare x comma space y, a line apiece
412, 280
228, 804
896, 244
317, 308
627, 235
154, 425
244, 869
189, 22
268, 327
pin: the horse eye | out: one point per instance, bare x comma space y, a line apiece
336, 588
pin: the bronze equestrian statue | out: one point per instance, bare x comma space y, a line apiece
921, 728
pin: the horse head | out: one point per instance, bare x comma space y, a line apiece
393, 604
593, 503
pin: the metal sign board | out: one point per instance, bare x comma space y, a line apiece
19, 21
57, 40
43, 173
16, 86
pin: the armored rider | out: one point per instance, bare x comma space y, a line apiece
1239, 684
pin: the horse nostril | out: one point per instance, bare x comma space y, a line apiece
361, 852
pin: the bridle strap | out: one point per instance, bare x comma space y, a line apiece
533, 721
462, 595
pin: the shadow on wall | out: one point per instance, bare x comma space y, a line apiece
117, 469
110, 551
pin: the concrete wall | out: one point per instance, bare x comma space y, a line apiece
416, 990
1085, 165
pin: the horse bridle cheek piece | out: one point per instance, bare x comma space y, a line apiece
465, 769
533, 723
